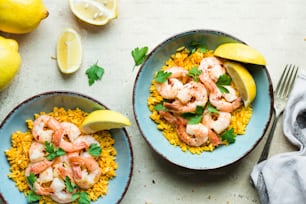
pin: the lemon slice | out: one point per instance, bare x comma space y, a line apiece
69, 51
104, 120
243, 80
240, 52
94, 12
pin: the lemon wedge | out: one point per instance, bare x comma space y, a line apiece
104, 120
243, 80
69, 51
94, 12
240, 52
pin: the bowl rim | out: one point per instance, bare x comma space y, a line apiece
205, 31
78, 94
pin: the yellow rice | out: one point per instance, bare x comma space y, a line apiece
18, 154
183, 58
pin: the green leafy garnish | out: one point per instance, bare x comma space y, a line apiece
222, 81
31, 179
229, 136
211, 108
82, 196
32, 197
94, 73
53, 152
198, 45
194, 72
160, 107
95, 150
69, 185
139, 55
194, 117
162, 76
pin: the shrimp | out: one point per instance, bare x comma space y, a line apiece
46, 128
91, 170
222, 105
62, 167
60, 194
70, 130
44, 169
213, 67
217, 121
193, 135
192, 94
70, 133
231, 95
170, 88
37, 152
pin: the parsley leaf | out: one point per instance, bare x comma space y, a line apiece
194, 72
198, 45
52, 152
31, 179
69, 185
162, 76
32, 197
222, 81
95, 150
211, 108
194, 117
229, 136
94, 73
160, 107
84, 199
139, 55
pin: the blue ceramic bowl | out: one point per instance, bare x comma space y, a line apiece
15, 120
223, 155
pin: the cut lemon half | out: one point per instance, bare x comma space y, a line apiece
94, 12
104, 120
69, 51
240, 52
243, 80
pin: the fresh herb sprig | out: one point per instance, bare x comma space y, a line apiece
162, 76
139, 55
224, 80
82, 197
194, 72
32, 197
94, 150
229, 136
194, 117
52, 151
94, 73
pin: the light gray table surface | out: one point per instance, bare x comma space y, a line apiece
276, 28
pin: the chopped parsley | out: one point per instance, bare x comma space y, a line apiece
82, 196
194, 72
94, 73
160, 107
222, 81
229, 136
139, 55
31, 179
69, 185
162, 76
95, 150
53, 152
198, 45
194, 117
32, 197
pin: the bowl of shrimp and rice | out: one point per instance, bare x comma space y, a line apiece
177, 85
24, 140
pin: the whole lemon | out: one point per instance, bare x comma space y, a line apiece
10, 61
21, 16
